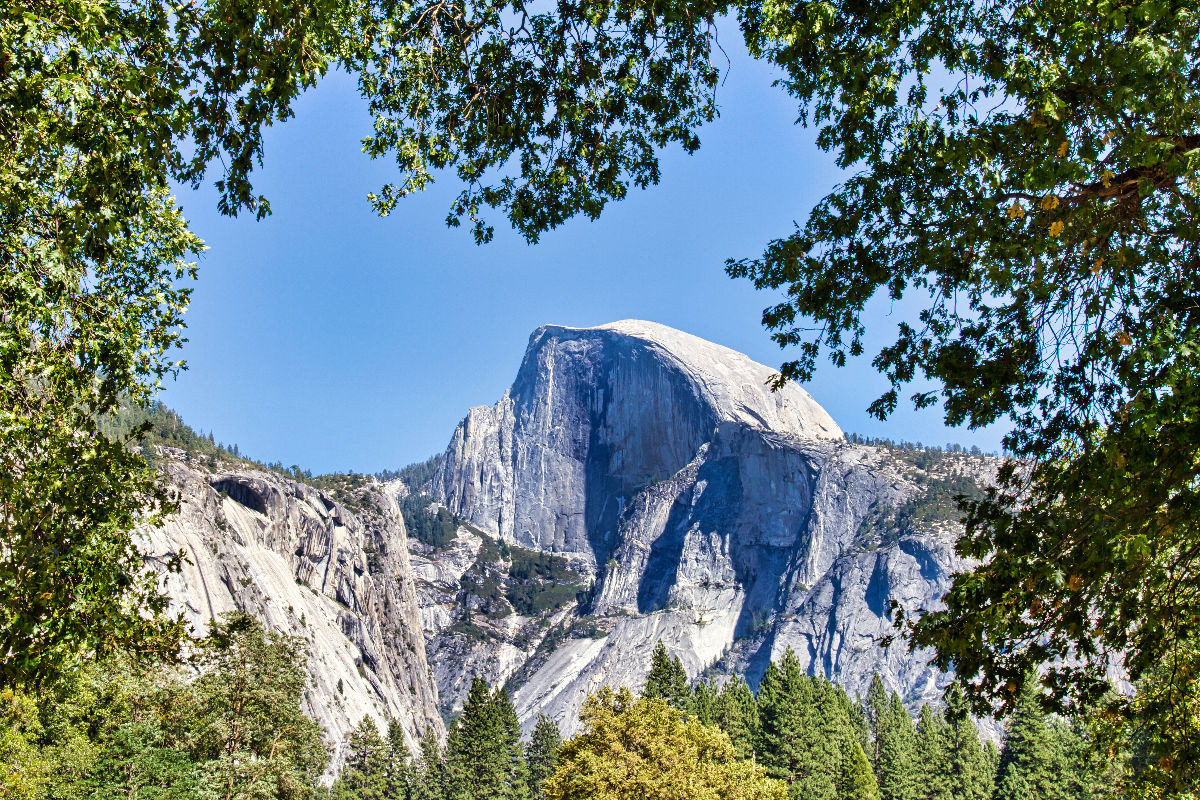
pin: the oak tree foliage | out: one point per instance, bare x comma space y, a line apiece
544, 112
1026, 174
646, 750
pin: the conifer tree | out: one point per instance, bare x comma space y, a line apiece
792, 743
364, 775
510, 751
855, 779
931, 756
861, 727
430, 780
968, 776
667, 679
472, 771
544, 745
702, 704
894, 742
736, 713
1092, 772
1031, 763
399, 771
875, 708
991, 765
484, 755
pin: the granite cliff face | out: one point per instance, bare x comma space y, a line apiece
595, 415
727, 520
635, 484
332, 571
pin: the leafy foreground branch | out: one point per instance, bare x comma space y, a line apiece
104, 104
1028, 174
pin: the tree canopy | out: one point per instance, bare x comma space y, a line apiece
543, 113
667, 680
117, 729
646, 750
1026, 170
1027, 174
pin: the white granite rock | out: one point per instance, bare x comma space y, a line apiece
310, 567
727, 520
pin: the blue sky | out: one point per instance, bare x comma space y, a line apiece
328, 337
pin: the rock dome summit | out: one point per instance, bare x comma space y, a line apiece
635, 484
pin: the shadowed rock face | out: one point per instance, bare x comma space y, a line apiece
727, 520
594, 416
310, 567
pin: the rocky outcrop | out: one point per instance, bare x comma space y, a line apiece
597, 414
335, 572
473, 627
635, 484
729, 521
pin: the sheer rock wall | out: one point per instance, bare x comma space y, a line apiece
727, 520
307, 565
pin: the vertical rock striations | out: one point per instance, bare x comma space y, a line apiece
728, 520
597, 414
335, 573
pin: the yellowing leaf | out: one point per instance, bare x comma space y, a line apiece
1123, 339
1049, 202
1056, 227
1016, 210
1074, 583
1099, 262
1106, 178
1062, 149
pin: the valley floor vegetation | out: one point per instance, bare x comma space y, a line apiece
228, 725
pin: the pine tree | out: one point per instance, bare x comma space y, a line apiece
1032, 765
893, 743
966, 769
484, 755
702, 704
544, 746
510, 751
855, 780
874, 709
400, 771
364, 775
792, 744
862, 727
931, 756
472, 769
736, 713
991, 765
430, 780
1091, 772
667, 679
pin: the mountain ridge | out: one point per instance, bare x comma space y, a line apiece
692, 504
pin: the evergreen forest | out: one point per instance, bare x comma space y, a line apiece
228, 724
